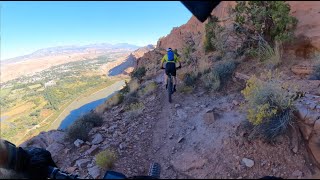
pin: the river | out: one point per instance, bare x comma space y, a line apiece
84, 105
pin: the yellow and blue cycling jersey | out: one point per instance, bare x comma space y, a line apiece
165, 59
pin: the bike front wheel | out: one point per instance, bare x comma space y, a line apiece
155, 170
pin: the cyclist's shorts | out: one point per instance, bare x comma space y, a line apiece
171, 68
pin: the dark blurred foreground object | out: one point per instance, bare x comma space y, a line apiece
32, 161
200, 9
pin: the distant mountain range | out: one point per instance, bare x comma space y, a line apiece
64, 50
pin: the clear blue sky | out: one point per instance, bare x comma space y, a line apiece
29, 26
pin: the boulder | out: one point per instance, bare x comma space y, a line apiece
209, 117
71, 169
248, 162
78, 143
92, 150
94, 172
306, 130
82, 163
55, 136
302, 69
97, 139
314, 147
316, 127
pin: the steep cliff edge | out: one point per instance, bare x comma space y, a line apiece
202, 134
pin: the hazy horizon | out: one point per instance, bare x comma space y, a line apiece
29, 26
72, 45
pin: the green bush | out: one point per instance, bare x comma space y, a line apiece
212, 28
270, 19
106, 159
81, 127
139, 73
262, 22
270, 107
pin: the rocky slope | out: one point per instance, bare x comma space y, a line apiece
200, 135
126, 64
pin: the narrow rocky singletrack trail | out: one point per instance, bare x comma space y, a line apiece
199, 136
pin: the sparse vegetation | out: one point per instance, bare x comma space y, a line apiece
27, 101
81, 127
136, 106
148, 88
115, 100
133, 85
185, 89
139, 73
189, 79
186, 53
210, 33
270, 107
219, 75
106, 159
261, 23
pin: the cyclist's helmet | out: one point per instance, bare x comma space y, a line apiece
169, 49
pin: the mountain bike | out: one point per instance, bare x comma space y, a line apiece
154, 173
170, 85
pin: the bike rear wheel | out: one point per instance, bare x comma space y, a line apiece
155, 170
170, 89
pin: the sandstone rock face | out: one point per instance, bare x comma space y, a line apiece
307, 12
308, 27
309, 123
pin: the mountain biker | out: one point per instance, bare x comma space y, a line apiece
170, 58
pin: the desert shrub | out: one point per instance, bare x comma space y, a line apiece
210, 33
93, 118
131, 98
262, 22
80, 128
136, 106
116, 99
148, 88
189, 79
133, 85
186, 53
139, 73
225, 69
211, 81
272, 56
270, 107
219, 75
106, 159
185, 89
204, 66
